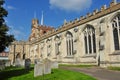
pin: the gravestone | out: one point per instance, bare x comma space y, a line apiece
47, 66
38, 69
27, 63
18, 62
2, 65
54, 64
22, 63
7, 63
42, 67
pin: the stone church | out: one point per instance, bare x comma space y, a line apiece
91, 39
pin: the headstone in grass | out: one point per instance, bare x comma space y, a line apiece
54, 64
27, 63
18, 62
2, 65
47, 66
7, 63
22, 63
38, 69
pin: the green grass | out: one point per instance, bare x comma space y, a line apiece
114, 68
57, 74
81, 66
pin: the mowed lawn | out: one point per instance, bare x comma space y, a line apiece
56, 74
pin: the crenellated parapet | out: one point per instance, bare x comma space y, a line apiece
83, 19
103, 7
114, 2
20, 42
38, 30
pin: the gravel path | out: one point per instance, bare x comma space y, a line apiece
98, 73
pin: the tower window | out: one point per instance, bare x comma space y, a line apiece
44, 32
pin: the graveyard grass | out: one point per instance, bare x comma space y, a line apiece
80, 66
57, 74
114, 68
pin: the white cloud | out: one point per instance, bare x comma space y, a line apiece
70, 5
16, 32
11, 7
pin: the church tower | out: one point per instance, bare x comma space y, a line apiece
34, 29
35, 23
38, 30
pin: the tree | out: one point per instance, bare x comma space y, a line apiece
5, 38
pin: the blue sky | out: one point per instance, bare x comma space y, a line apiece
21, 13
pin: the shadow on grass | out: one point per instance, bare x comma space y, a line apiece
4, 75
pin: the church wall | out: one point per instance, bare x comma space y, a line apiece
112, 54
80, 56
105, 54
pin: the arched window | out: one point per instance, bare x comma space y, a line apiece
116, 31
89, 40
23, 56
18, 55
69, 43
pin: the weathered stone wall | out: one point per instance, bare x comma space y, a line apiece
45, 46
